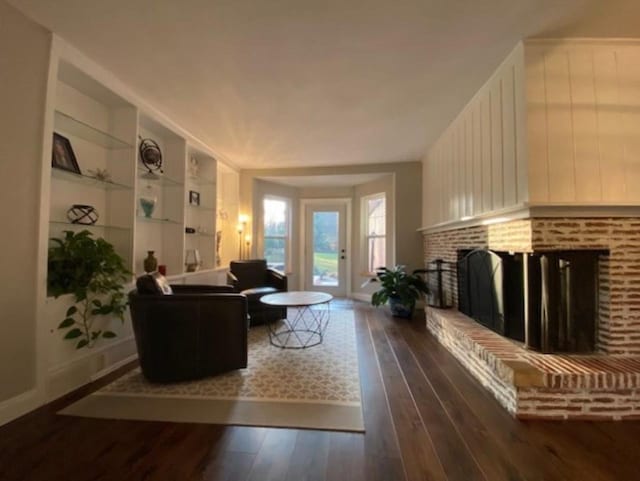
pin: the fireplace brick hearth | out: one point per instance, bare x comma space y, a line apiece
604, 385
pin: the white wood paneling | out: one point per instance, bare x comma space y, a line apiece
538, 166
497, 171
476, 147
520, 118
559, 127
475, 166
583, 118
629, 85
584, 123
557, 123
485, 138
468, 162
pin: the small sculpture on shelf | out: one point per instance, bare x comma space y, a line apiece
151, 157
192, 260
102, 175
82, 214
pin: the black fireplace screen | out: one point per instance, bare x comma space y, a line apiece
548, 300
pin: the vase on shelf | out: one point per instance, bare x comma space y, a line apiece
148, 200
192, 260
150, 263
194, 168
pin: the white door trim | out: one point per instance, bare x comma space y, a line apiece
304, 203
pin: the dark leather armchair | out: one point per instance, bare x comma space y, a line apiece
254, 279
196, 331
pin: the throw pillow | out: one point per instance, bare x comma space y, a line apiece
154, 283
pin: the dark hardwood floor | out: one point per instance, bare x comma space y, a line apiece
426, 419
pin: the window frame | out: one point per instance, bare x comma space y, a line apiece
365, 230
286, 237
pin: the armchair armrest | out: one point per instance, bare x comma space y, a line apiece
201, 289
232, 280
277, 279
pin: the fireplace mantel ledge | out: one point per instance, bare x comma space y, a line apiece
536, 210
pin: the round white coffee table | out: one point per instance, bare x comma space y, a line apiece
307, 327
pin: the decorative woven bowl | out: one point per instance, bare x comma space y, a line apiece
82, 214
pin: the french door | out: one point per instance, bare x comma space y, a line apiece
325, 248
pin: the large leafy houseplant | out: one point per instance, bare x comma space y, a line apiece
92, 271
399, 288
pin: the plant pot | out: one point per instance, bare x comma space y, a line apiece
400, 309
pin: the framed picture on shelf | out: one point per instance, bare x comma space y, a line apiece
194, 197
62, 156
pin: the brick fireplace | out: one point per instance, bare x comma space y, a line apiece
604, 384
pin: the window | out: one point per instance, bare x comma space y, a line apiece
375, 231
276, 232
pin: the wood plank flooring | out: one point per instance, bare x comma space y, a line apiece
426, 419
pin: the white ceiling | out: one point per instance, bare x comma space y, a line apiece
303, 181
281, 83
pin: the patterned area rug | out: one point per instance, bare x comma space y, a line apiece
315, 388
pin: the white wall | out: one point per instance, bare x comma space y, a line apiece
24, 57
478, 164
583, 101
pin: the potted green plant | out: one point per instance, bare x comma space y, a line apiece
92, 271
400, 289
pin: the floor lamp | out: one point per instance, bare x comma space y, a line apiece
240, 229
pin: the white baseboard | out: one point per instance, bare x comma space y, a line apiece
367, 298
114, 366
19, 405
75, 373
361, 296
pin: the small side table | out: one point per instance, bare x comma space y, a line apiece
307, 327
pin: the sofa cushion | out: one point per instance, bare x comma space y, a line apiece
154, 283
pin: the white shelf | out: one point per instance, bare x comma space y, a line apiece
65, 123
202, 208
88, 226
201, 234
155, 220
87, 180
160, 180
202, 182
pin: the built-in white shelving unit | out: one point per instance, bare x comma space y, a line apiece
100, 126
104, 122
105, 130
